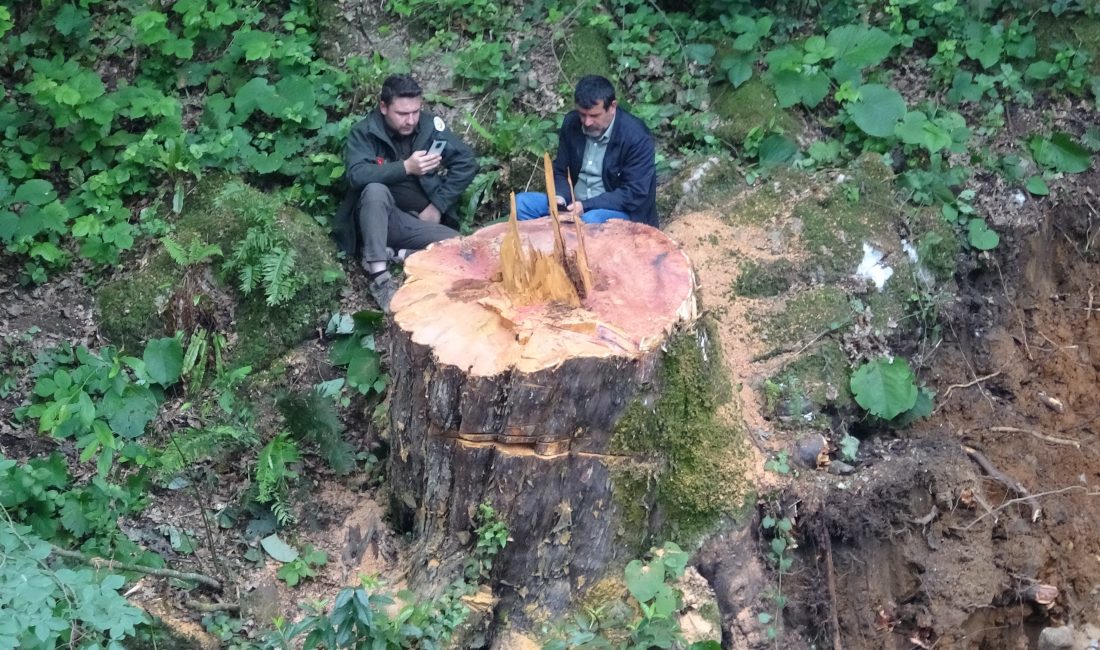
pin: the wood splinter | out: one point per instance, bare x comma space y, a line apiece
530, 275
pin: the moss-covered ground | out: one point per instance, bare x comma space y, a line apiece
132, 309
749, 106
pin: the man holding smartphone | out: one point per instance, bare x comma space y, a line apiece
608, 154
405, 171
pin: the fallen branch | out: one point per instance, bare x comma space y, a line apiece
1004, 479
103, 563
1039, 435
209, 608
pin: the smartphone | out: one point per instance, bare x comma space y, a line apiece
437, 147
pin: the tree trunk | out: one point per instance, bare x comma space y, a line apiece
519, 405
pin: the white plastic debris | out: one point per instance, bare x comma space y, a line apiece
871, 267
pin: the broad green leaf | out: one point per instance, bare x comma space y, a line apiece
163, 360
128, 414
1041, 70
885, 387
878, 110
792, 87
1061, 153
921, 409
644, 580
278, 549
738, 69
701, 53
666, 602
255, 44
364, 369
35, 191
257, 94
980, 236
776, 149
1037, 186
861, 46
917, 129
368, 319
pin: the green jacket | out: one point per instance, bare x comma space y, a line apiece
370, 157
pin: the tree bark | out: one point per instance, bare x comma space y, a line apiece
518, 405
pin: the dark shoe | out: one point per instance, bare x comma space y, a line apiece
382, 289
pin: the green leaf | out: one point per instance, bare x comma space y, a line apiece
644, 580
878, 110
73, 517
917, 129
35, 191
701, 53
849, 447
163, 360
981, 236
364, 369
255, 44
1041, 70
776, 149
885, 387
861, 46
278, 549
1037, 186
738, 68
921, 409
1061, 153
130, 413
793, 87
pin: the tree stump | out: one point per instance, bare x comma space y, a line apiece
519, 403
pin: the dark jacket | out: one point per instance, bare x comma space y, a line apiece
370, 157
629, 168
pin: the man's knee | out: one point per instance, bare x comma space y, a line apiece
374, 192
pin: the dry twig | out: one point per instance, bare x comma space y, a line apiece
969, 384
1039, 435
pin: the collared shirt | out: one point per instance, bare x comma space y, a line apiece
590, 183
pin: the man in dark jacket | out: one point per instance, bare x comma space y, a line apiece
608, 154
402, 192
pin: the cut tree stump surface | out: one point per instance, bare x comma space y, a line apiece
454, 302
507, 399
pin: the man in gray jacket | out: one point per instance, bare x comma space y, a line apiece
405, 173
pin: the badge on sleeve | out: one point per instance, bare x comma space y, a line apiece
440, 125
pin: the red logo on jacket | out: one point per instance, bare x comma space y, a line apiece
380, 160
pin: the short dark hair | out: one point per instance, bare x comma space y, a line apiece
593, 89
399, 85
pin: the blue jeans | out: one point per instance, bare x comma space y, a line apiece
532, 205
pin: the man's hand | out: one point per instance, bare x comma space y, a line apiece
574, 210
422, 162
430, 214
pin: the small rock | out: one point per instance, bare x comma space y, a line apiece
840, 468
1056, 638
696, 628
811, 450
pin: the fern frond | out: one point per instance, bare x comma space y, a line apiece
175, 251
190, 446
279, 278
230, 191
273, 470
312, 418
247, 278
200, 251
